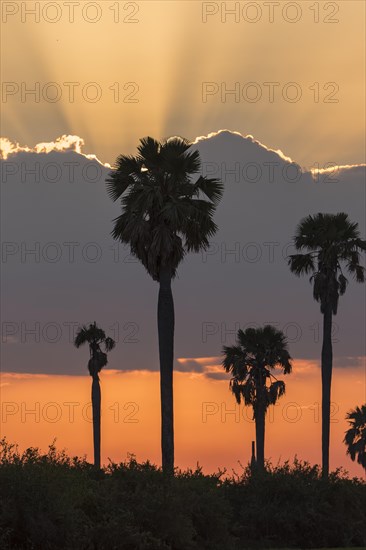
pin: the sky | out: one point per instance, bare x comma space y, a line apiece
210, 428
286, 81
171, 64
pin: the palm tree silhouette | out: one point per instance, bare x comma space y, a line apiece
257, 350
95, 337
164, 216
355, 437
329, 241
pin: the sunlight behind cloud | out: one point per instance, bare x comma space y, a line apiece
7, 148
61, 144
76, 143
248, 137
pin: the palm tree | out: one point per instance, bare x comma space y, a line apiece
164, 216
257, 350
95, 337
329, 240
355, 437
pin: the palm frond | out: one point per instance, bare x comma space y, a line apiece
301, 263
109, 344
276, 390
177, 159
149, 150
211, 187
355, 436
81, 336
127, 171
343, 282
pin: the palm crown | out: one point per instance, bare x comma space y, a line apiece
164, 214
355, 437
331, 239
257, 350
95, 337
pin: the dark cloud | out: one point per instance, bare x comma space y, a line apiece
217, 375
188, 365
349, 362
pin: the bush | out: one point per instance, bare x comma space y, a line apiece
292, 506
51, 501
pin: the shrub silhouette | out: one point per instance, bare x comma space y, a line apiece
52, 501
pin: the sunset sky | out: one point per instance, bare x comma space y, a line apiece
287, 80
211, 429
169, 49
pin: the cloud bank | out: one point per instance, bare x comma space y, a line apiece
61, 266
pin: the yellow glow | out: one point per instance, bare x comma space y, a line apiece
169, 68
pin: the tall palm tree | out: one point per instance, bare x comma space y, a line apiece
329, 240
257, 351
164, 216
355, 437
95, 337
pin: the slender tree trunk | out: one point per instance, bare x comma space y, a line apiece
259, 435
96, 401
166, 354
253, 459
326, 368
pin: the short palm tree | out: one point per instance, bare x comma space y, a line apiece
355, 437
95, 337
257, 351
164, 215
325, 242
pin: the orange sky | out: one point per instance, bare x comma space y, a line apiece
206, 431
